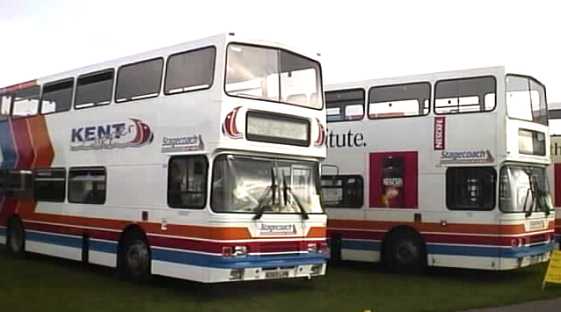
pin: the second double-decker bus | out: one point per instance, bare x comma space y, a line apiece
198, 161
445, 169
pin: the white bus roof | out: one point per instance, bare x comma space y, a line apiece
217, 40
496, 70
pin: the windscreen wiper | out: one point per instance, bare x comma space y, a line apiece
288, 190
524, 205
260, 209
542, 198
533, 192
543, 201
531, 210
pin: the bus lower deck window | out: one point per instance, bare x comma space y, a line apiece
187, 182
470, 188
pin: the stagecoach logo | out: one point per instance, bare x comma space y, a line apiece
182, 144
277, 229
131, 133
466, 157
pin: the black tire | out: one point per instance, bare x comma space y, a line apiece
15, 238
135, 257
404, 252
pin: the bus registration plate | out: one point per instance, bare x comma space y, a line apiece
277, 274
537, 259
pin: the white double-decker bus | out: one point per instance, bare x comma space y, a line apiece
198, 161
443, 169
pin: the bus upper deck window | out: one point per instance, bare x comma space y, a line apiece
26, 101
465, 95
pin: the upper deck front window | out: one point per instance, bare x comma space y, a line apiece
525, 99
273, 75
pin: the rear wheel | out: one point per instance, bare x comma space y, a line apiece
16, 237
134, 258
404, 252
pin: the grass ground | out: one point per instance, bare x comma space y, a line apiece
39, 283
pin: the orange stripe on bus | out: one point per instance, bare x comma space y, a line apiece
41, 142
317, 232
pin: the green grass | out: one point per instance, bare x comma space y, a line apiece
39, 283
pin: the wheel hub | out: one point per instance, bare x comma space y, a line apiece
137, 257
15, 241
407, 252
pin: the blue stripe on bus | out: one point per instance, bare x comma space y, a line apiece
67, 241
472, 251
459, 250
185, 257
2, 231
491, 251
527, 251
103, 246
191, 258
71, 241
7, 146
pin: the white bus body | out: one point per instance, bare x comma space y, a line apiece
198, 161
431, 170
555, 168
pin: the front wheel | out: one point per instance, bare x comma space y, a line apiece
405, 252
135, 258
16, 238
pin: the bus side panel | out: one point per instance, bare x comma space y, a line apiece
554, 173
2, 235
183, 271
103, 252
58, 245
366, 253
465, 262
557, 201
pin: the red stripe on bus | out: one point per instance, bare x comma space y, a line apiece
461, 228
26, 158
202, 232
26, 155
445, 238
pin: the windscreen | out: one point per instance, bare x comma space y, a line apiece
525, 99
274, 75
524, 189
254, 185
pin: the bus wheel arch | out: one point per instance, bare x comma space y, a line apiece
134, 255
404, 250
15, 236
